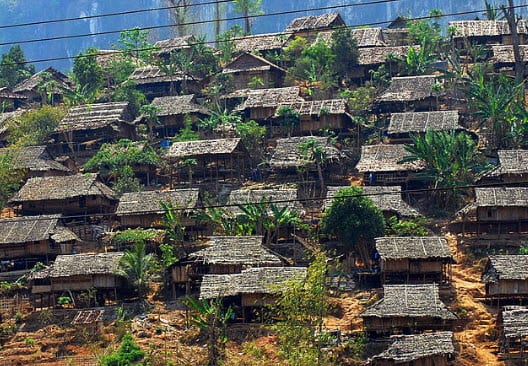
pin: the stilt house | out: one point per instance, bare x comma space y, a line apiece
506, 276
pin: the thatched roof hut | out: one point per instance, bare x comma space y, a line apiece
418, 122
29, 87
95, 116
513, 328
153, 74
506, 276
409, 89
427, 247
287, 155
261, 42
178, 105
501, 196
315, 22
317, 107
236, 251
247, 67
417, 349
18, 230
187, 149
485, 28
36, 160
369, 56
166, 46
148, 202
262, 103
385, 158
284, 197
369, 37
503, 55
253, 281
387, 198
512, 166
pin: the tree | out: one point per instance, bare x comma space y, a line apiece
247, 8
127, 354
10, 179
46, 87
173, 223
345, 49
127, 92
289, 118
451, 160
34, 127
138, 267
88, 74
509, 14
150, 115
251, 134
226, 43
312, 151
301, 307
355, 221
134, 44
491, 11
14, 67
186, 133
180, 14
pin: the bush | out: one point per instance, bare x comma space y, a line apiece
397, 227
128, 353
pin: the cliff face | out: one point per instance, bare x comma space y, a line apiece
23, 11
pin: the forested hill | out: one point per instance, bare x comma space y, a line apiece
24, 11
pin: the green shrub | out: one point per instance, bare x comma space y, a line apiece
128, 353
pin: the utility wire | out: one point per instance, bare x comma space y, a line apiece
235, 38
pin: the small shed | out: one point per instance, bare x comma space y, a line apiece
154, 82
75, 274
428, 349
513, 331
409, 93
248, 68
317, 115
35, 161
503, 58
87, 127
380, 165
505, 204
261, 104
143, 209
57, 83
512, 168
309, 26
172, 112
217, 159
387, 198
486, 32
506, 276
409, 309
264, 43
72, 195
414, 259
30, 239
253, 287
402, 125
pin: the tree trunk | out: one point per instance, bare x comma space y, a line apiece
512, 22
217, 19
247, 25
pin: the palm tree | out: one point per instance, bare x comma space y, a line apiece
138, 267
247, 8
312, 150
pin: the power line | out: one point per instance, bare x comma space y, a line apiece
242, 37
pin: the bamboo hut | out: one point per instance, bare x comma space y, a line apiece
428, 349
369, 37
513, 332
512, 168
11, 100
402, 125
261, 104
35, 161
172, 111
154, 82
57, 83
143, 209
372, 57
414, 259
73, 195
25, 241
503, 58
76, 274
381, 165
165, 47
409, 309
486, 32
387, 198
264, 44
216, 159
409, 93
252, 288
254, 72
309, 26
86, 128
283, 197
506, 276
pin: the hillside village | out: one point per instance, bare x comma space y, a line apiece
325, 195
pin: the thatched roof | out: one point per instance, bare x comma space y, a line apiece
515, 321
248, 62
378, 55
315, 22
317, 107
284, 197
31, 84
413, 248
501, 196
386, 198
409, 88
506, 267
94, 116
269, 98
33, 229
504, 54
229, 250
186, 149
511, 162
485, 28
34, 158
263, 280
369, 37
287, 155
416, 301
6, 116
174, 44
385, 158
153, 74
7, 93
149, 201
81, 265
423, 121
178, 105
261, 42
405, 349
62, 187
